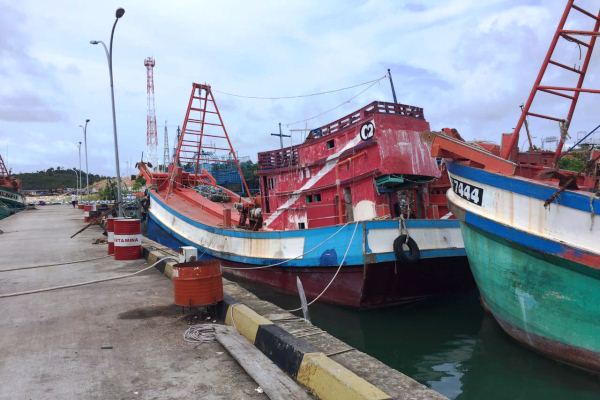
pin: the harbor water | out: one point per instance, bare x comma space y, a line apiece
451, 345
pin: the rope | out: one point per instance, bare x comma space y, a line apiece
335, 275
294, 258
55, 265
112, 278
299, 95
200, 333
336, 107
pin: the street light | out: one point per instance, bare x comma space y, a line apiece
87, 173
79, 188
118, 14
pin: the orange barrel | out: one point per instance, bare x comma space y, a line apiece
197, 283
127, 238
110, 236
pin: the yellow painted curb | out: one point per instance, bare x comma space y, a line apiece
328, 380
245, 320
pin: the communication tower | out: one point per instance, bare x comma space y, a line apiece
151, 135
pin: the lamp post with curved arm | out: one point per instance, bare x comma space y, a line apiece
87, 173
118, 14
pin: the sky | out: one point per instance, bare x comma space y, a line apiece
468, 63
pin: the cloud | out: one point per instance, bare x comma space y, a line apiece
468, 63
27, 107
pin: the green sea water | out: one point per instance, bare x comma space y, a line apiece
451, 345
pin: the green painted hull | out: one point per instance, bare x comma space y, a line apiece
548, 303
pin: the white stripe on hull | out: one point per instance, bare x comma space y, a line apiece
275, 248
382, 240
556, 222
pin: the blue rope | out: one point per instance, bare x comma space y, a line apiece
585, 137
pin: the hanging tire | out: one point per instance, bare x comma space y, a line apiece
412, 255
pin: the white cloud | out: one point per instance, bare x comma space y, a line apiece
468, 63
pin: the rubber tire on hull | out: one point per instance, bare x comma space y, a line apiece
412, 256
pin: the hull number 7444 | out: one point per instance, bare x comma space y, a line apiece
468, 192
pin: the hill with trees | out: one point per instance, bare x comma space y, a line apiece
54, 178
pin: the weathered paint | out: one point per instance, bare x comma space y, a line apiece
537, 268
341, 159
544, 301
440, 237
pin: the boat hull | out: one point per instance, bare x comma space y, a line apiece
367, 279
10, 202
543, 292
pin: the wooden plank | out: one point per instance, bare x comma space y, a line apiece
274, 382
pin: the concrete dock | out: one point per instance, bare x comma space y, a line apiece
114, 340
123, 339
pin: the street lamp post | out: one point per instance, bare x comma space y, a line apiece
79, 179
118, 14
87, 173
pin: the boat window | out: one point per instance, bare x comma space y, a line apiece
301, 225
330, 144
318, 197
309, 198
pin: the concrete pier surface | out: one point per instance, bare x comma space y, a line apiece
113, 340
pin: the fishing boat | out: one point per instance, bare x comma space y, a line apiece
11, 199
357, 211
532, 230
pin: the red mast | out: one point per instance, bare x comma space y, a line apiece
3, 170
569, 93
203, 136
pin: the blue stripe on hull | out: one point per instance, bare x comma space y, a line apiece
527, 188
329, 255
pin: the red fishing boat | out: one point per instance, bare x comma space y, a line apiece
357, 211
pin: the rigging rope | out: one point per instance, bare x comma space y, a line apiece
334, 108
300, 95
336, 272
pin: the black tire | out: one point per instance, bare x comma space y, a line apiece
412, 255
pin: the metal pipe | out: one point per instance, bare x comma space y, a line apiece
87, 173
79, 173
389, 73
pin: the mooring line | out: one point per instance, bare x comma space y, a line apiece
112, 278
55, 265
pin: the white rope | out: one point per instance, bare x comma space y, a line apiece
200, 333
290, 259
335, 275
112, 278
54, 265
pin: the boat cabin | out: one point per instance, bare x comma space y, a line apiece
370, 164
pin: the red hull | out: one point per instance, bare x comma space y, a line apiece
383, 284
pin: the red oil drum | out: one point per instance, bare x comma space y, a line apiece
197, 283
127, 238
87, 213
110, 234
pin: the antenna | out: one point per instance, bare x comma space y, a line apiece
281, 136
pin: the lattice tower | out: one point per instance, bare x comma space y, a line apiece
151, 135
